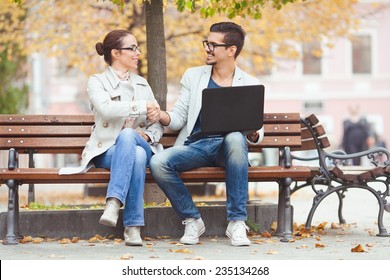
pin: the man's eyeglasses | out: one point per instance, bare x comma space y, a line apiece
211, 46
133, 48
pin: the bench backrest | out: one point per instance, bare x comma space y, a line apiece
69, 133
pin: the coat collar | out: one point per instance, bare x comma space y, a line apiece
114, 80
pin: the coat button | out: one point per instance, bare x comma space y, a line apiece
105, 124
99, 145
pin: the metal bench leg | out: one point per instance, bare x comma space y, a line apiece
341, 196
284, 211
12, 215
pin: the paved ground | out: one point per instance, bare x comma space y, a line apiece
331, 244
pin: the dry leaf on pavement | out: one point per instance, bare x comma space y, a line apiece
126, 256
186, 251
358, 249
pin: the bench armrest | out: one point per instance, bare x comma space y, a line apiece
13, 159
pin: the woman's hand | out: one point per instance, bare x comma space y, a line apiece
144, 135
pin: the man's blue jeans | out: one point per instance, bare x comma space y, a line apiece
230, 152
127, 159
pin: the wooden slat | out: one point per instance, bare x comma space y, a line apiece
306, 135
99, 175
281, 118
89, 119
45, 131
46, 119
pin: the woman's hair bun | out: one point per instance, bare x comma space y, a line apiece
99, 48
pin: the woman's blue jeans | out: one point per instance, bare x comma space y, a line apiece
127, 159
230, 152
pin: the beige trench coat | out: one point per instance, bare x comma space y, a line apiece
112, 102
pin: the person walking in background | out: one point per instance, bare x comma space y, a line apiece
125, 134
192, 149
356, 133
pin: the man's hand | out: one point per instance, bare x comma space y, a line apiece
253, 137
153, 111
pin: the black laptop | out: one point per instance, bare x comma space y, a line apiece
229, 109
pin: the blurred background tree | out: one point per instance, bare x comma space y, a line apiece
69, 30
13, 90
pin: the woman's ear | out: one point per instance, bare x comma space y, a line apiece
115, 53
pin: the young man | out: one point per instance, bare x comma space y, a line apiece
193, 150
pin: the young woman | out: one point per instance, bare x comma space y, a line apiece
126, 131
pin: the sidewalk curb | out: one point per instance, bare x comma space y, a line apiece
159, 221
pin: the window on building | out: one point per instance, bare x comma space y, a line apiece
361, 54
311, 58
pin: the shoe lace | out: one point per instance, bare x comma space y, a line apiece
239, 230
190, 228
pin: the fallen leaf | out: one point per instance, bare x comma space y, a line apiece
198, 258
266, 234
37, 240
148, 238
126, 256
75, 239
64, 241
358, 249
274, 226
186, 251
163, 237
319, 245
369, 245
93, 239
272, 252
26, 239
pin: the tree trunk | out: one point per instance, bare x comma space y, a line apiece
155, 44
157, 72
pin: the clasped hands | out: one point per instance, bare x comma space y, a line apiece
153, 111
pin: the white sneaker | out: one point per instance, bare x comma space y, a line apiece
133, 236
236, 231
194, 228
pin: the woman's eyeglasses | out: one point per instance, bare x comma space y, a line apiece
133, 48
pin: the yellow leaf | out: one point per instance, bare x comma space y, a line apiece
64, 241
272, 252
358, 249
186, 251
26, 239
37, 240
266, 234
75, 239
126, 256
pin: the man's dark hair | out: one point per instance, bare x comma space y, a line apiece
233, 34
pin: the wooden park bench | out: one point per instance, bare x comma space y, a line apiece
67, 134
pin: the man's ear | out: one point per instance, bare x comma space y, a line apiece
232, 50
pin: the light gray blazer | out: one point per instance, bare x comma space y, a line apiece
112, 102
186, 109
